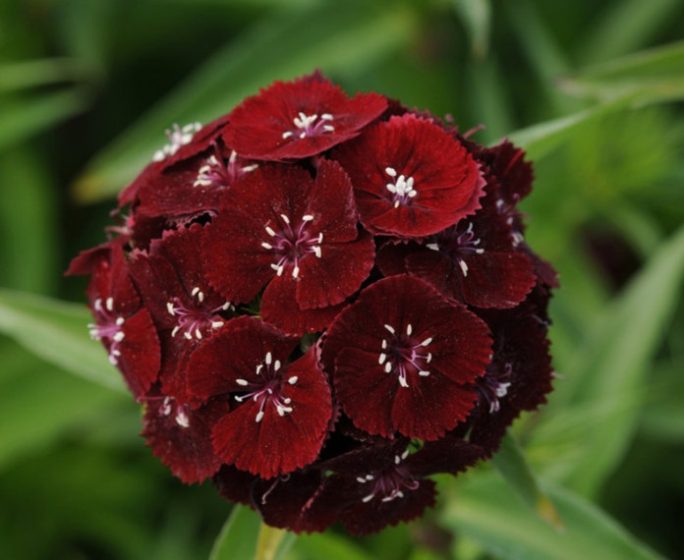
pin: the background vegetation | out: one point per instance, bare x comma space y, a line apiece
87, 88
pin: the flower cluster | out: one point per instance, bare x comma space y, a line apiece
323, 300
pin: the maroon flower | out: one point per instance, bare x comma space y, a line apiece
298, 119
410, 177
402, 359
385, 483
298, 236
123, 326
181, 437
476, 261
183, 305
279, 410
183, 143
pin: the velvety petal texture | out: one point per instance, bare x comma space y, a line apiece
321, 301
411, 178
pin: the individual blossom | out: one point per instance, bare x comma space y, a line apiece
403, 359
183, 305
298, 119
276, 411
122, 324
411, 178
295, 235
476, 261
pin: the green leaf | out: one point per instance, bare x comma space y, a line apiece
57, 332
608, 380
652, 76
486, 510
238, 537
513, 467
26, 116
32, 73
271, 542
328, 546
343, 38
476, 16
39, 403
625, 26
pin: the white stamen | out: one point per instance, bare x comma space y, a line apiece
409, 329
368, 498
464, 267
269, 358
391, 171
170, 308
307, 218
276, 365
390, 328
216, 324
292, 380
242, 382
109, 304
286, 135
427, 341
267, 246
432, 246
175, 330
423, 373
388, 367
259, 416
405, 454
119, 336
285, 218
382, 358
295, 271
119, 321
182, 419
270, 231
317, 251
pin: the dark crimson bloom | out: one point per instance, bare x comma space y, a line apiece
411, 178
123, 326
183, 305
400, 368
321, 301
296, 235
476, 261
298, 119
279, 411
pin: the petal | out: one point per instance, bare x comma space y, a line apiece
295, 503
277, 444
450, 454
279, 307
180, 438
140, 358
335, 276
235, 485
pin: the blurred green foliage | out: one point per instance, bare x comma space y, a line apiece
592, 90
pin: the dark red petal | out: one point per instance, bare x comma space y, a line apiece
446, 178
450, 454
279, 307
235, 485
140, 352
279, 444
111, 280
493, 279
233, 353
296, 503
257, 125
514, 174
235, 263
86, 262
180, 437
337, 274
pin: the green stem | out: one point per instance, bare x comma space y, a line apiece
269, 542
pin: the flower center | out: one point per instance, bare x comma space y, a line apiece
310, 125
458, 245
268, 388
216, 173
509, 212
178, 137
402, 354
401, 189
291, 244
191, 321
108, 327
494, 385
389, 484
170, 407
